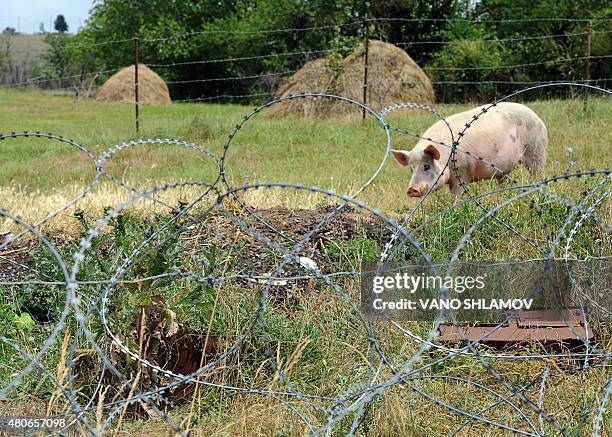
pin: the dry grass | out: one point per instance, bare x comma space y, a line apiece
320, 345
120, 87
36, 206
393, 77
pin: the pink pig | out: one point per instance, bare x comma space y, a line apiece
507, 135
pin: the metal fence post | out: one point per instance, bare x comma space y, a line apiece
365, 67
136, 97
587, 60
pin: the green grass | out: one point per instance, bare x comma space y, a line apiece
319, 341
339, 154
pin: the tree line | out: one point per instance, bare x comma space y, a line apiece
445, 36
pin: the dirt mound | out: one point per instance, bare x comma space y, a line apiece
393, 77
120, 87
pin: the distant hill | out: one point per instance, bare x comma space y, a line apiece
24, 53
28, 45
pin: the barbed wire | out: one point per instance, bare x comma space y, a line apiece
501, 40
526, 64
399, 44
219, 213
369, 20
514, 82
243, 58
289, 72
224, 96
491, 21
518, 83
322, 51
82, 76
306, 53
232, 78
38, 81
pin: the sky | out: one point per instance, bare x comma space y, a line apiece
26, 15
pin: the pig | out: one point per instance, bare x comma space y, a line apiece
507, 135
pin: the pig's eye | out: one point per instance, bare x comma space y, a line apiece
426, 167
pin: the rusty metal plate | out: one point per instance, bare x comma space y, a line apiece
527, 326
550, 318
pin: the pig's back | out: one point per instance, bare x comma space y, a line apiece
497, 119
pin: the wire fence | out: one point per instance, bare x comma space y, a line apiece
262, 82
87, 325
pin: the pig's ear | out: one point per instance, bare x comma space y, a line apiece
432, 151
401, 156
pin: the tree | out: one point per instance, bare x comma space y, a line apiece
41, 28
454, 40
60, 24
6, 60
2, 66
473, 57
57, 62
601, 68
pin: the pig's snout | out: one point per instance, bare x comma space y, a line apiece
413, 192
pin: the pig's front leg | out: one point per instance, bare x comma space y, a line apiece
456, 190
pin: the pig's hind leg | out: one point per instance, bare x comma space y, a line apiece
534, 157
535, 151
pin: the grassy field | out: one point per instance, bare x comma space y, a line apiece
318, 341
337, 154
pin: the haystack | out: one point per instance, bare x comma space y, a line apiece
393, 77
120, 87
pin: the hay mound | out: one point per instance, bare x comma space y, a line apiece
393, 77
120, 87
